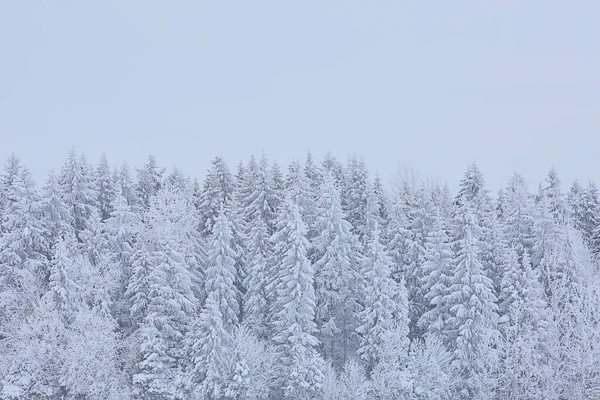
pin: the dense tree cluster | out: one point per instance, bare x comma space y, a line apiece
313, 283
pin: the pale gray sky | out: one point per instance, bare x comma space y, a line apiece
511, 85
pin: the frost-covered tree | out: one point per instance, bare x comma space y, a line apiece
149, 181
314, 179
121, 230
300, 366
106, 190
331, 165
435, 282
91, 367
55, 213
256, 298
391, 378
590, 216
62, 289
32, 357
250, 374
471, 326
430, 369
169, 297
78, 192
337, 278
209, 352
220, 272
354, 194
353, 383
397, 238
554, 197
217, 192
24, 246
381, 302
124, 185
518, 216
297, 187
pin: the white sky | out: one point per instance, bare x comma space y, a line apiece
513, 86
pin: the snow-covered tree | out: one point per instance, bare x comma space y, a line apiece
24, 246
250, 374
209, 352
518, 216
554, 197
106, 190
78, 192
162, 288
353, 383
381, 302
217, 192
337, 278
354, 195
471, 326
220, 272
437, 270
149, 182
300, 366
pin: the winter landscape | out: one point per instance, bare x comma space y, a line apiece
299, 200
310, 281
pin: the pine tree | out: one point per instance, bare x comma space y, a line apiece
63, 291
419, 209
124, 185
24, 246
31, 359
354, 195
121, 230
518, 216
331, 165
554, 197
337, 278
297, 186
353, 383
55, 213
294, 325
397, 241
217, 192
250, 374
220, 274
380, 304
523, 327
149, 182
256, 298
430, 370
211, 344
590, 214
470, 298
391, 378
167, 301
575, 205
177, 182
105, 188
313, 184
78, 192
436, 281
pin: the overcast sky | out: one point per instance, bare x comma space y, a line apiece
513, 86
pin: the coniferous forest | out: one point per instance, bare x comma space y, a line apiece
310, 281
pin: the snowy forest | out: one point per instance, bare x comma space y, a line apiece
310, 281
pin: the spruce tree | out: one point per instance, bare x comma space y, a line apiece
220, 272
380, 302
337, 278
106, 190
301, 367
471, 327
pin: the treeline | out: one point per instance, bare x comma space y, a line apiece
313, 282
